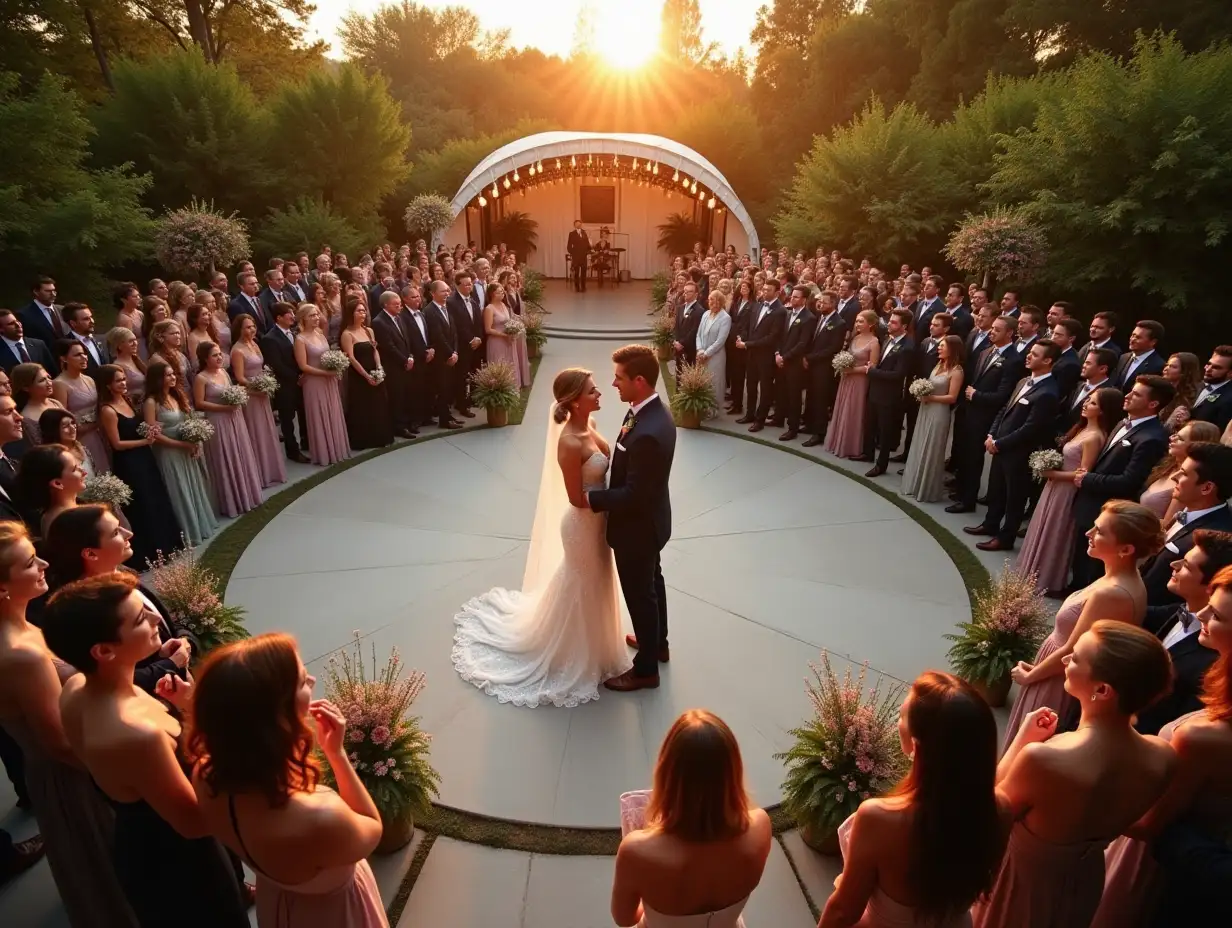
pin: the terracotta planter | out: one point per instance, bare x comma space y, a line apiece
395, 835
994, 693
498, 417
532, 351
690, 420
665, 352
822, 840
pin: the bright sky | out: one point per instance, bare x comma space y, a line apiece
549, 24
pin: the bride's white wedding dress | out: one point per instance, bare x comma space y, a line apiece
556, 644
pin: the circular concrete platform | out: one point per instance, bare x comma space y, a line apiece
773, 558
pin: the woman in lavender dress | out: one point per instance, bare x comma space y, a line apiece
327, 431
1050, 537
845, 436
167, 345
246, 363
124, 346
33, 392
1157, 496
228, 455
502, 347
201, 328
78, 394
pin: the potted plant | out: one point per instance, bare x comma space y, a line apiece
659, 286
847, 751
386, 746
495, 388
190, 593
1009, 621
536, 338
197, 239
532, 287
428, 215
694, 398
663, 335
1001, 245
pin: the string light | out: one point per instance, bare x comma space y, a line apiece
676, 176
495, 191
558, 164
701, 194
482, 201
506, 182
693, 189
515, 176
711, 203
635, 164
573, 161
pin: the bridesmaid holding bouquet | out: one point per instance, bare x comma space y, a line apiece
845, 437
247, 364
228, 455
327, 431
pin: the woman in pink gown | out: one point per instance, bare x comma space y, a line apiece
1050, 537
1123, 534
1071, 794
246, 363
228, 455
924, 853
327, 431
307, 844
845, 436
1201, 791
1157, 496
502, 347
79, 394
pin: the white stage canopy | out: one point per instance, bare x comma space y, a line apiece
644, 198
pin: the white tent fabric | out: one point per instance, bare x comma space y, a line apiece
544, 145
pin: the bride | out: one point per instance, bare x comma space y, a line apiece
559, 637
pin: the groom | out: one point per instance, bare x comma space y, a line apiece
640, 511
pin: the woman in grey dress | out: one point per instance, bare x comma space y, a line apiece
924, 475
712, 344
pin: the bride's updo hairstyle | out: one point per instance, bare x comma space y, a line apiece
698, 793
567, 387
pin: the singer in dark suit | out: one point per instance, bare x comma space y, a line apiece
443, 342
578, 248
393, 343
1023, 425
829, 337
883, 416
278, 349
1120, 471
766, 327
744, 307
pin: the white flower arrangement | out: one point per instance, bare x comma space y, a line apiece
197, 429
1044, 460
843, 362
515, 327
264, 382
334, 361
234, 395
920, 388
378, 375
106, 488
86, 417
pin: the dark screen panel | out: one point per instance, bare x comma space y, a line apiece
598, 205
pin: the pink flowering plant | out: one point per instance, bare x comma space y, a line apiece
197, 239
846, 752
189, 591
386, 746
1003, 243
1009, 621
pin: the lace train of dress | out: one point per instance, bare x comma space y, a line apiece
554, 645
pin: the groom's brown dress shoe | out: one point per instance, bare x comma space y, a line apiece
628, 681
665, 654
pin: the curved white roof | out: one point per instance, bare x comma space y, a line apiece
545, 145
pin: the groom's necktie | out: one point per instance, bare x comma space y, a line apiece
628, 423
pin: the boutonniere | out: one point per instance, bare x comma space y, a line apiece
1214, 395
627, 427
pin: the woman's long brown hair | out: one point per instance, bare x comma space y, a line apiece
245, 733
958, 838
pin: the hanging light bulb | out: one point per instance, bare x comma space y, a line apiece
676, 176
615, 161
506, 183
693, 189
515, 175
558, 164
685, 180
710, 203
701, 194
495, 191
590, 159
482, 201
539, 167
635, 164
573, 161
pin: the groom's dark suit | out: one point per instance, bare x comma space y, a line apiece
639, 524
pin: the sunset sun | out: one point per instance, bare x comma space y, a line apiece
627, 34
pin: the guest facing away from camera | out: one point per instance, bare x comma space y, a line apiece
704, 846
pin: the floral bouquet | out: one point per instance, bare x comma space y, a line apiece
234, 395
387, 747
515, 327
1003, 242
334, 361
1043, 461
1009, 621
106, 488
196, 428
190, 593
264, 382
920, 388
532, 326
846, 752
145, 430
378, 375
86, 417
843, 362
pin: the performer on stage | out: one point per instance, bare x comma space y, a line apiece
578, 248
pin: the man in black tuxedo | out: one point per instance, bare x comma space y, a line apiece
829, 336
272, 293
639, 511
684, 335
1068, 368
1023, 425
1203, 487
467, 316
246, 301
926, 352
883, 417
975, 343
909, 299
930, 304
278, 349
1136, 445
579, 250
742, 312
443, 356
16, 349
414, 323
80, 321
41, 316
1009, 305
396, 358
1189, 581
1142, 359
956, 306
791, 375
1214, 403
1096, 366
294, 290
766, 328
1102, 329
848, 300
12, 507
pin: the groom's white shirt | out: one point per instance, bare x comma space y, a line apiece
638, 407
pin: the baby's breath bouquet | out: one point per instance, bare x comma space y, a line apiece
385, 744
106, 488
515, 327
196, 428
1043, 461
264, 382
334, 361
378, 375
233, 395
847, 751
920, 388
190, 593
86, 417
843, 362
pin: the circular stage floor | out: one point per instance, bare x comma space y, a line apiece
772, 559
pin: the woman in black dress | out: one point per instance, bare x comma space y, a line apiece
153, 521
369, 424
